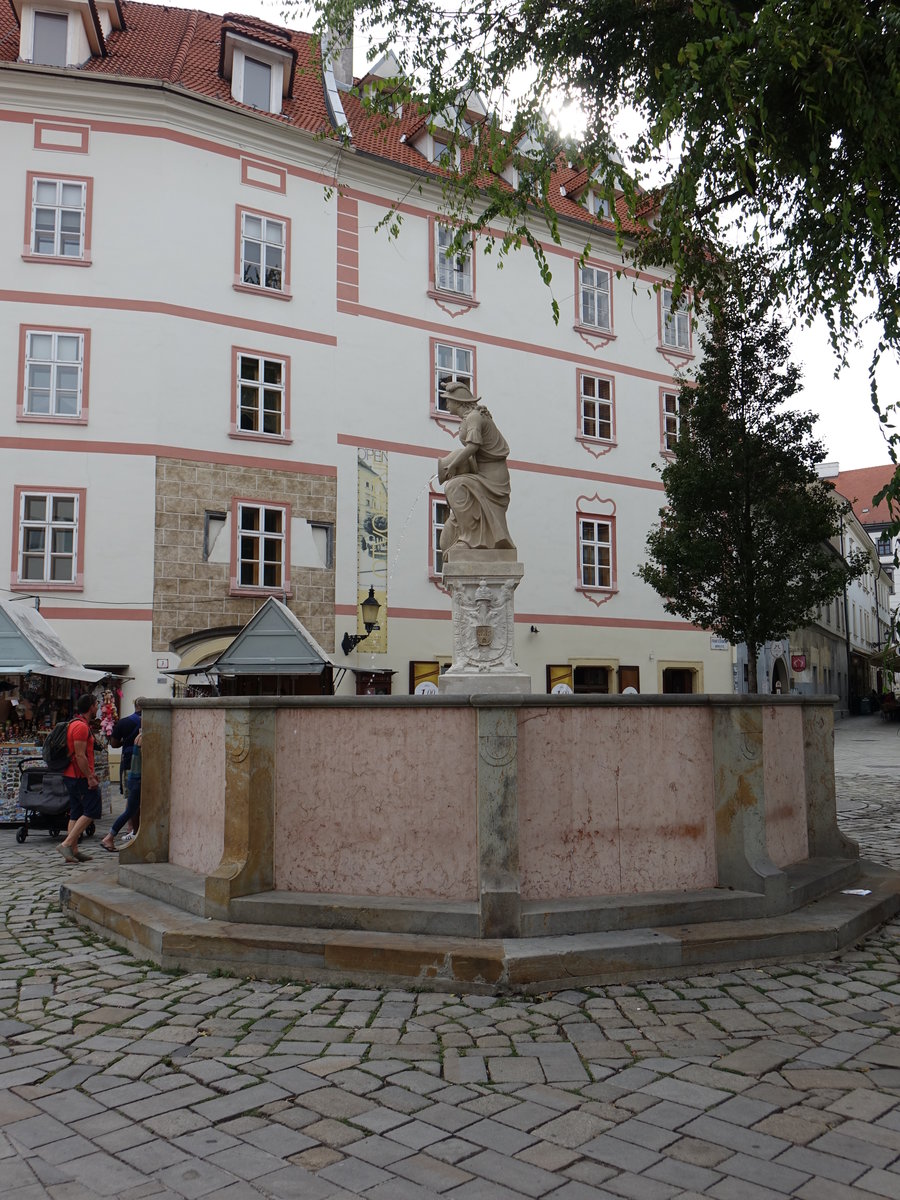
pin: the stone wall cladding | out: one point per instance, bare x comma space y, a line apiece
190, 595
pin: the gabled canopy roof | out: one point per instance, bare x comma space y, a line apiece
274, 642
28, 645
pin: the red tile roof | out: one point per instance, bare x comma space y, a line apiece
860, 486
183, 47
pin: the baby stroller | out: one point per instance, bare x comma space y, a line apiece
43, 796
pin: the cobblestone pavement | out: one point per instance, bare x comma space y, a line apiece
118, 1079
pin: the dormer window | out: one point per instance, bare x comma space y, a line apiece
381, 81
66, 33
51, 32
256, 79
260, 71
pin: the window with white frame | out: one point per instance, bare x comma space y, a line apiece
260, 403
48, 537
676, 322
50, 36
595, 411
595, 309
58, 217
445, 155
599, 206
452, 364
54, 365
595, 552
453, 268
674, 409
257, 91
440, 511
262, 251
260, 546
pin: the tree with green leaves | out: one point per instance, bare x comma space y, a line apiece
742, 547
771, 118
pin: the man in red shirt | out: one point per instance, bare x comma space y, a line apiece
85, 804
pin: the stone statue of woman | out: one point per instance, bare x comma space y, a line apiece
475, 478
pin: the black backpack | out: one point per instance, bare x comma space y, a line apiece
56, 747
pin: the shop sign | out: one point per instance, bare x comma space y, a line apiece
718, 643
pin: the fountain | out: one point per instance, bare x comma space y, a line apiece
484, 838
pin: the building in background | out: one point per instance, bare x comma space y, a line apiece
860, 488
222, 376
842, 653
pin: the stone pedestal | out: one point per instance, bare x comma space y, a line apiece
482, 584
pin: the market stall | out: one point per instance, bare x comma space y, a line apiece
273, 655
40, 681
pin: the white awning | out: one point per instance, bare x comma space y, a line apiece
31, 646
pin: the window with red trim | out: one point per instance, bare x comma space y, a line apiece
260, 546
263, 252
48, 539
452, 268
260, 394
595, 551
59, 218
452, 362
595, 408
53, 385
440, 511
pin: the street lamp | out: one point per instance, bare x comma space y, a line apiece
370, 609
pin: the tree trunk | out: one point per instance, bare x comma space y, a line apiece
752, 681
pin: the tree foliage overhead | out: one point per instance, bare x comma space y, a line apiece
742, 545
785, 112
778, 118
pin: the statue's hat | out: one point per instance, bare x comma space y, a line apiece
458, 391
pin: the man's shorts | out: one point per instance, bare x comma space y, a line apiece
83, 801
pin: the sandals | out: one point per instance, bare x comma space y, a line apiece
108, 849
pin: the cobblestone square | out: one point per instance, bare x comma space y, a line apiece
119, 1079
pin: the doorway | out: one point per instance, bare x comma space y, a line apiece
629, 677
779, 678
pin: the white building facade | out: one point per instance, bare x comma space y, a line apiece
221, 374
842, 652
860, 487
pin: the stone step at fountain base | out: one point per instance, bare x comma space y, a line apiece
807, 881
176, 937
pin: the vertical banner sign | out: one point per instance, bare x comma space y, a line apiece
372, 542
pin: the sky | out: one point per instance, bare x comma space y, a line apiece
847, 424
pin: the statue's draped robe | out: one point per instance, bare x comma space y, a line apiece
479, 495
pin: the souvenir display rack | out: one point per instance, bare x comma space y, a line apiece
43, 702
